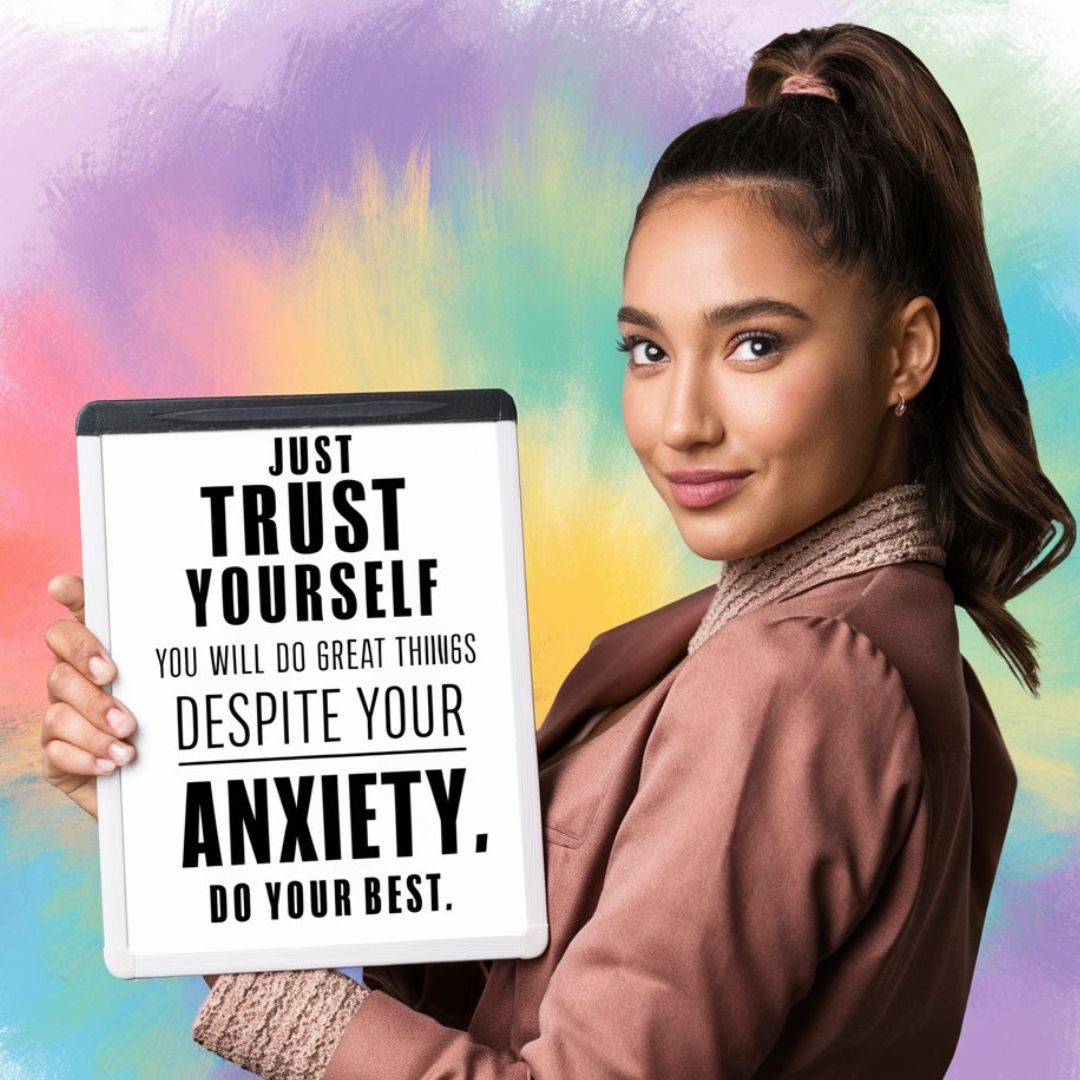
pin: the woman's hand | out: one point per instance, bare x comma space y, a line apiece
85, 730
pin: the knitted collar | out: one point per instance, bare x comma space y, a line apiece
890, 526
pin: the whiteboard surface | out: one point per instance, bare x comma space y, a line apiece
460, 506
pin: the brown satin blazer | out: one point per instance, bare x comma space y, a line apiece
776, 864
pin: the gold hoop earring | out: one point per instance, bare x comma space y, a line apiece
901, 406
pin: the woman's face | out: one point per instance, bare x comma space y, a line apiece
786, 393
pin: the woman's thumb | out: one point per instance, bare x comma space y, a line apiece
67, 589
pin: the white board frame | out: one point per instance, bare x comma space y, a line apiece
287, 411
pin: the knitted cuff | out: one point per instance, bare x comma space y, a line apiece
280, 1025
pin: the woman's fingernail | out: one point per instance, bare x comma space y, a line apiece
121, 722
99, 668
105, 765
119, 753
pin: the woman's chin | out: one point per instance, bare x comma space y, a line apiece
713, 544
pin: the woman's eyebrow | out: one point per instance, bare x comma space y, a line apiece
724, 313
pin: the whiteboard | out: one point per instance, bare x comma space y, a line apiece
317, 608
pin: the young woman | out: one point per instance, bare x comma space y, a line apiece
773, 809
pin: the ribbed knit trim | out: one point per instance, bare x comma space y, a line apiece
280, 1025
890, 526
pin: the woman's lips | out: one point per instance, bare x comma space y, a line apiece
703, 488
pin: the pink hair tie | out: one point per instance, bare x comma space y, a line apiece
807, 84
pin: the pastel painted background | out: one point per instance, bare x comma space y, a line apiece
314, 195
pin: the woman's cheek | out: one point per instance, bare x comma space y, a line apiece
786, 421
642, 418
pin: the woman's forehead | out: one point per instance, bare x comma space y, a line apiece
703, 252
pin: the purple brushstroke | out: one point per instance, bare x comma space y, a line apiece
1027, 984
184, 144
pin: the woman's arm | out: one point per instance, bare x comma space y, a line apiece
782, 775
281, 1024
447, 991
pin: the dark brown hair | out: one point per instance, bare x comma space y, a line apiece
882, 180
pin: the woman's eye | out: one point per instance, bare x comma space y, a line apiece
643, 352
755, 345
750, 346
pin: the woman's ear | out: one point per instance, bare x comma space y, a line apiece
916, 343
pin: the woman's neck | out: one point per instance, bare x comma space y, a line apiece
893, 525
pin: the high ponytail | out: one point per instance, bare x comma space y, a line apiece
879, 176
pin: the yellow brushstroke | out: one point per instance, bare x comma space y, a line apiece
599, 546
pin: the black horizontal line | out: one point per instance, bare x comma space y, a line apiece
314, 757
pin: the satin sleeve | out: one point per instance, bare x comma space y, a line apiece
780, 779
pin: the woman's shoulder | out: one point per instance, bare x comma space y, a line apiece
883, 610
881, 643
794, 657
786, 701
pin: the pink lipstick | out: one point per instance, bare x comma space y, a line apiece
696, 488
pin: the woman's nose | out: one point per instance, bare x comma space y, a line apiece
691, 413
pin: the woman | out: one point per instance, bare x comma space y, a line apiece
773, 809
